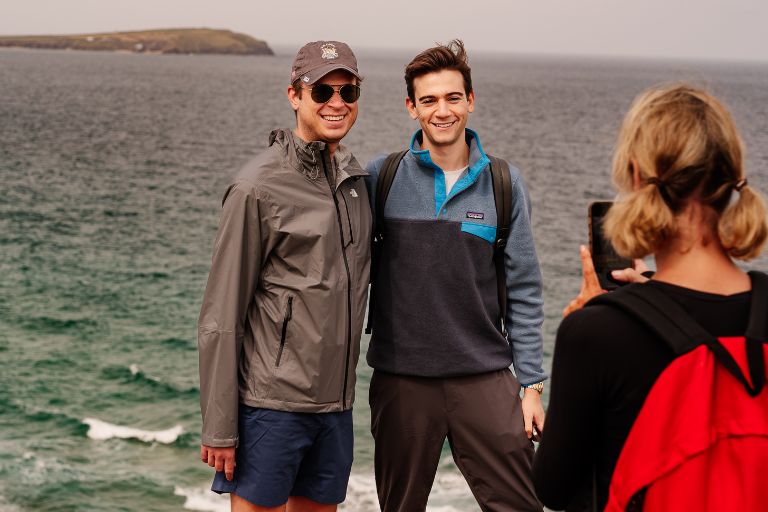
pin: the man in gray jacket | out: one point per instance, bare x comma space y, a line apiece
280, 324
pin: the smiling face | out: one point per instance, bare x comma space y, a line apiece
329, 121
442, 107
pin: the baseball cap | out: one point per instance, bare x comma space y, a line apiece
318, 58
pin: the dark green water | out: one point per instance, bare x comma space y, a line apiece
111, 174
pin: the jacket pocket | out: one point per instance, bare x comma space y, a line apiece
487, 233
347, 236
284, 331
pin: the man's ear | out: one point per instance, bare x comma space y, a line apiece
471, 101
293, 97
411, 108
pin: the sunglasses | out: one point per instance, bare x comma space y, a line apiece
323, 93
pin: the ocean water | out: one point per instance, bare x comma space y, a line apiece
112, 168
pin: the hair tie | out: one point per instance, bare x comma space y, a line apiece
740, 184
654, 181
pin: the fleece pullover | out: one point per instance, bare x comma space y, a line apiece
436, 307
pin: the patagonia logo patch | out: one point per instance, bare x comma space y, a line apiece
475, 215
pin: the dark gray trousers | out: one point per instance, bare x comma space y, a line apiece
482, 418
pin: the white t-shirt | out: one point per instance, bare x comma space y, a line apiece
451, 177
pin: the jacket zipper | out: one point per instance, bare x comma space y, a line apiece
349, 282
288, 314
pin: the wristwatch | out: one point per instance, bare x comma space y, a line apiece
538, 386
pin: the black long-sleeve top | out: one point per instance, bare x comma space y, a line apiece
604, 366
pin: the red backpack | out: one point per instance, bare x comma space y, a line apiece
700, 441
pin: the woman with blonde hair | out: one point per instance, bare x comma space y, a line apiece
683, 198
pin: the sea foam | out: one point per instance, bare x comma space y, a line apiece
449, 494
203, 499
101, 430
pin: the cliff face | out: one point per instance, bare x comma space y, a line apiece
186, 40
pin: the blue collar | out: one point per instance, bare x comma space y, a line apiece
478, 161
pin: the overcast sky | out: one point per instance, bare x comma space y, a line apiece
701, 29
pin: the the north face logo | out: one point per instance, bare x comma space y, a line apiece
475, 215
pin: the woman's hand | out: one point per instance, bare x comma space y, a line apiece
590, 286
632, 275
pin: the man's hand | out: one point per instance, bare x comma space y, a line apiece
223, 459
533, 411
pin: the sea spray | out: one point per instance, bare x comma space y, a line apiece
101, 430
449, 494
202, 499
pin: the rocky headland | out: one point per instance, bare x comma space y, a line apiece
168, 41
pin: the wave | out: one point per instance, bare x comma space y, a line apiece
57, 325
133, 373
202, 499
30, 416
116, 213
179, 344
449, 494
101, 430
7, 507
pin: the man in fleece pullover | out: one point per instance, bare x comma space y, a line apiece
440, 356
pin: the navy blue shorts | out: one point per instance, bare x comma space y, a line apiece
284, 454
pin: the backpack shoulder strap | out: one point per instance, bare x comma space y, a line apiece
384, 184
661, 314
757, 331
673, 325
502, 197
758, 319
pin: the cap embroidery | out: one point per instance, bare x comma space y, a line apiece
329, 51
305, 79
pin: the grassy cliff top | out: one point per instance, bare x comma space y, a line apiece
180, 40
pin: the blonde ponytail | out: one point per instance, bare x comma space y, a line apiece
742, 226
639, 222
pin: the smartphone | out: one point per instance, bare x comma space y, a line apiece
604, 256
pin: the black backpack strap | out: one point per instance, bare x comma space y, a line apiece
661, 314
673, 325
757, 329
383, 185
502, 197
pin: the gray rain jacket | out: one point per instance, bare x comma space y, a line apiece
285, 301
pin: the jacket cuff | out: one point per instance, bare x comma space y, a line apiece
528, 379
219, 443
